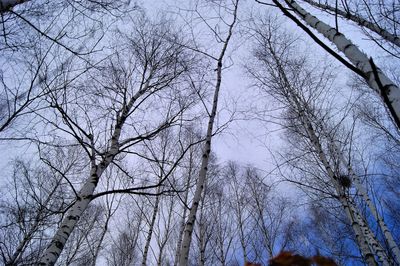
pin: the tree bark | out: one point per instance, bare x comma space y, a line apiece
187, 238
364, 194
185, 201
84, 196
359, 20
362, 242
375, 78
151, 226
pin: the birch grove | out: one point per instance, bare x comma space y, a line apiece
199, 132
282, 84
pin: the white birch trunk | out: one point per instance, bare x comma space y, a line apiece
360, 21
202, 232
151, 226
361, 241
187, 237
364, 194
365, 238
388, 90
360, 229
68, 224
84, 196
185, 201
356, 226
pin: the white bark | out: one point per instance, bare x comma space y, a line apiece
185, 201
359, 59
364, 194
187, 237
360, 21
84, 196
366, 240
202, 225
151, 227
68, 224
364, 236
355, 223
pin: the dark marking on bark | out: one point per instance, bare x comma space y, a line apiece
384, 92
72, 217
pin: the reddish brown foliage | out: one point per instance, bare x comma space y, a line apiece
289, 259
251, 264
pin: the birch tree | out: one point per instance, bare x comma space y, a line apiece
147, 69
224, 41
372, 20
295, 89
240, 203
361, 64
189, 169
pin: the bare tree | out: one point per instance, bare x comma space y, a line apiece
292, 87
184, 253
124, 247
38, 39
370, 22
38, 195
360, 64
240, 202
108, 117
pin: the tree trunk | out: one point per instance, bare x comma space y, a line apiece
202, 232
151, 226
361, 230
187, 238
393, 247
359, 20
185, 201
84, 196
68, 224
375, 78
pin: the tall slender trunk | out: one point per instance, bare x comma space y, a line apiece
183, 219
151, 226
359, 20
363, 234
375, 78
167, 232
187, 238
85, 194
202, 231
393, 247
